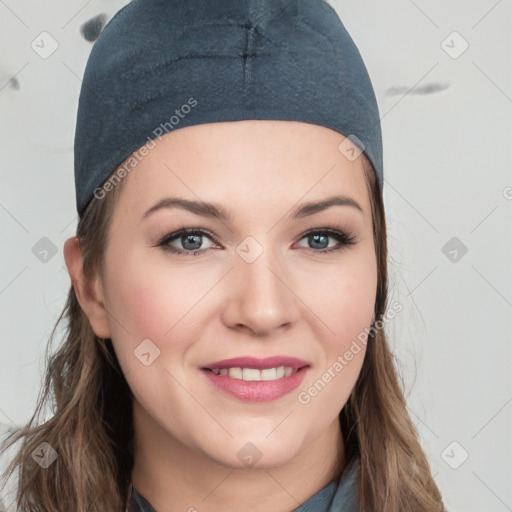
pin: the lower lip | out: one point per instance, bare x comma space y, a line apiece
257, 391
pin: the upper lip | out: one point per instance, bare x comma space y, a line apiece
259, 364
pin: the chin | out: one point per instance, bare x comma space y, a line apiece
257, 452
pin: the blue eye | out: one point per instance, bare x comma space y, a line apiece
320, 238
191, 241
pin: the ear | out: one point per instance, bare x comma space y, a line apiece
89, 294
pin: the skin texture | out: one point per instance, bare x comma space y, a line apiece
294, 299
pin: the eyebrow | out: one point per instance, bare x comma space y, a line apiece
217, 211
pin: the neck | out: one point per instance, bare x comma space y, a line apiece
173, 476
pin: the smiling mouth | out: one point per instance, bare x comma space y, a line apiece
255, 384
253, 379
255, 374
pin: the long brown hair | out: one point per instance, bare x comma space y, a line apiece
91, 427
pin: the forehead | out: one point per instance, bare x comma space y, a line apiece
254, 164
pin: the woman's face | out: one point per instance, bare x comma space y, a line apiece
254, 284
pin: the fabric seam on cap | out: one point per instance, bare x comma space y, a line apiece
175, 58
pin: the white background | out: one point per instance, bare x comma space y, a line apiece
447, 162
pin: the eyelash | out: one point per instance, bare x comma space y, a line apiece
343, 238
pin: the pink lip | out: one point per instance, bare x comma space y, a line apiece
259, 364
257, 391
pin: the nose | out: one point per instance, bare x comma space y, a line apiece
260, 296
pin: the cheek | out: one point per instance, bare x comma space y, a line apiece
149, 300
151, 307
143, 308
347, 309
347, 304
138, 314
148, 306
155, 303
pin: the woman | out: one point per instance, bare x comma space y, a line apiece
225, 347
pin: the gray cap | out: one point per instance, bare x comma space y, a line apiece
161, 65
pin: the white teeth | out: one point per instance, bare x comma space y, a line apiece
236, 373
268, 374
253, 374
250, 374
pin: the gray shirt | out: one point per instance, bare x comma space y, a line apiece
337, 496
